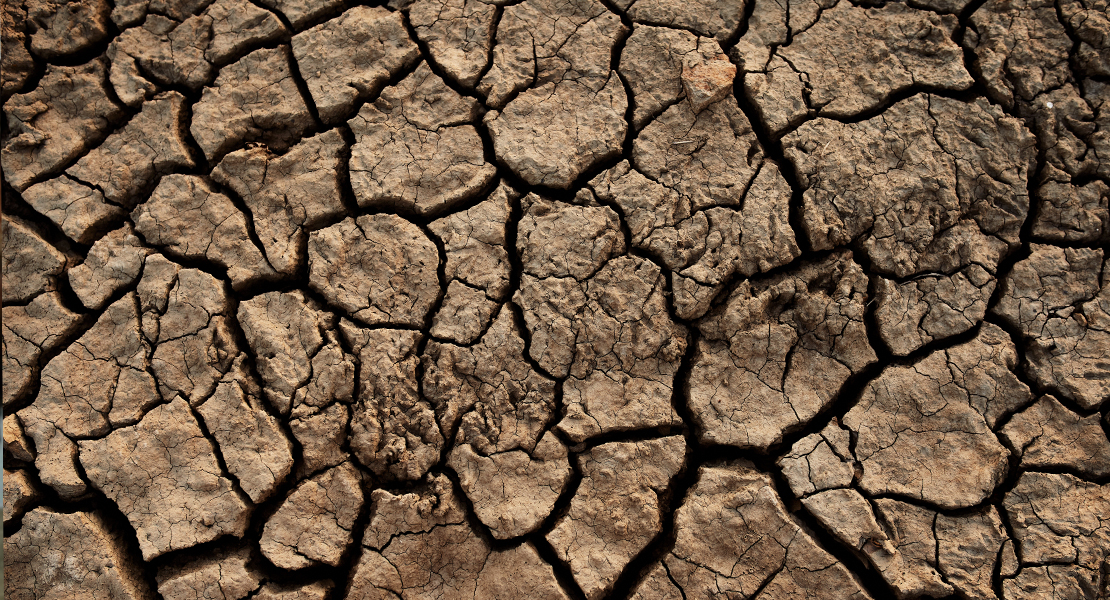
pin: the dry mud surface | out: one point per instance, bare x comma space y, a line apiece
556, 299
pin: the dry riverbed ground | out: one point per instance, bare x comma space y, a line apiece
556, 299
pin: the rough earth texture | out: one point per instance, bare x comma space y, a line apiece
556, 299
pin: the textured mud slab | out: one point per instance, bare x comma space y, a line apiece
556, 299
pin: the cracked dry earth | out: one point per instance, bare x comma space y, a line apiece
556, 299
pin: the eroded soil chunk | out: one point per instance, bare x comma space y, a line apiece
734, 536
416, 147
379, 268
778, 351
925, 430
59, 555
174, 499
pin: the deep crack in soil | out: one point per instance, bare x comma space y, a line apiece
594, 299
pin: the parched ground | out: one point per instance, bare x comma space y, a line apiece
556, 299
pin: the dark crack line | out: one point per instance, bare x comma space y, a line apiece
698, 454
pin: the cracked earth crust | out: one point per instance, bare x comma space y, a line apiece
556, 299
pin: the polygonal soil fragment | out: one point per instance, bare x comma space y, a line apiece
393, 429
709, 158
1045, 287
1071, 357
1049, 435
29, 332
352, 57
15, 442
1088, 23
1020, 47
332, 380
463, 314
556, 239
707, 76
314, 523
613, 336
222, 574
98, 380
930, 185
488, 392
19, 493
67, 113
925, 430
1061, 522
130, 161
1054, 582
662, 66
657, 585
477, 265
905, 558
163, 475
969, 549
186, 316
778, 92
914, 543
853, 59
188, 217
453, 563
652, 63
254, 447
67, 27
301, 364
379, 268
323, 437
549, 135
704, 248
1070, 128
778, 351
228, 28
29, 262
131, 12
616, 510
75, 555
734, 537
418, 546
1056, 299
16, 63
513, 491
114, 262
500, 407
302, 12
819, 462
928, 308
917, 551
80, 211
187, 53
287, 195
433, 502
1072, 213
542, 41
56, 459
474, 242
416, 147
253, 99
711, 18
458, 34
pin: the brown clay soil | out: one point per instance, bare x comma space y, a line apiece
556, 299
